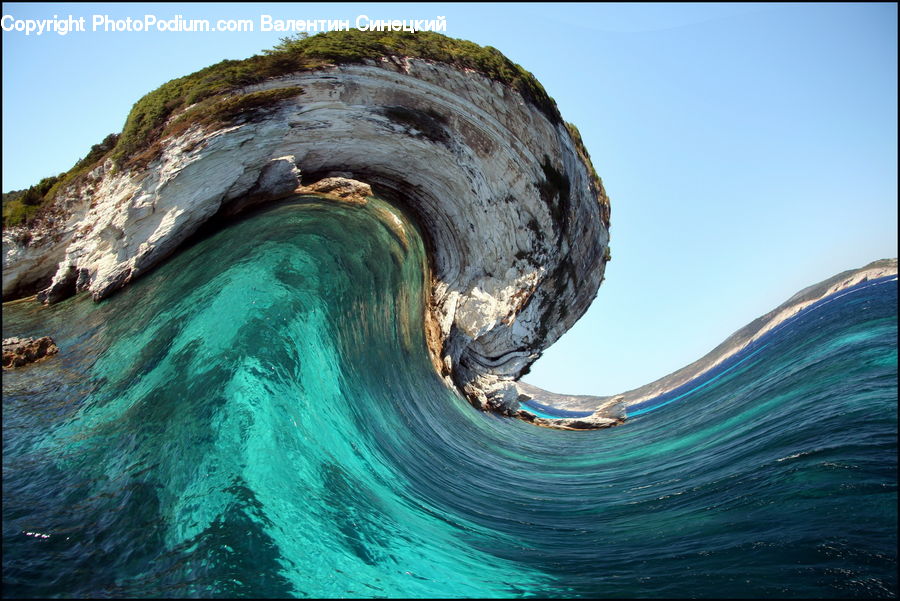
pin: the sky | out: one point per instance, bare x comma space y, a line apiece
748, 150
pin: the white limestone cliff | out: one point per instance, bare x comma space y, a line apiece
515, 223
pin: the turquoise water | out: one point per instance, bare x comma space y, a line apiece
259, 417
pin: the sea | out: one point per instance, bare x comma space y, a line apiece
259, 417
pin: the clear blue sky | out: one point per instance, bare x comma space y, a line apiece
749, 150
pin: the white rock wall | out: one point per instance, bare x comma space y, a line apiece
461, 152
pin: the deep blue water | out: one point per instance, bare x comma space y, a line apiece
259, 417
785, 329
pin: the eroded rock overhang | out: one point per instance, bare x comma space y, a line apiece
516, 224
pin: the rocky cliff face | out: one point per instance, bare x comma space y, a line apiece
517, 226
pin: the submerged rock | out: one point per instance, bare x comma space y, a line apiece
339, 187
22, 351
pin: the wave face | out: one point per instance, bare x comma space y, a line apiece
260, 417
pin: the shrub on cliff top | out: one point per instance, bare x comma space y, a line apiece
149, 120
146, 122
22, 206
355, 46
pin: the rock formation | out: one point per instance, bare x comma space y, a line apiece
514, 218
21, 351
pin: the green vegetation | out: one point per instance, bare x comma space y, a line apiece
216, 110
579, 145
21, 205
146, 122
354, 46
206, 97
226, 109
24, 205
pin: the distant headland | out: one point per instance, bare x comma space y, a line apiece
614, 405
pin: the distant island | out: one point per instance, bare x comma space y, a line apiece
733, 344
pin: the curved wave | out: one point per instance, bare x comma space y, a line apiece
260, 417
513, 214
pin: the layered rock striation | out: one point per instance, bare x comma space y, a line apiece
515, 220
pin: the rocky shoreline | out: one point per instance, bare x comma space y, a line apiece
22, 351
515, 220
